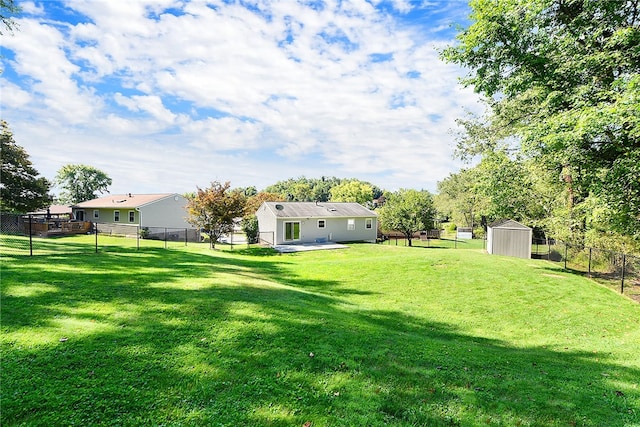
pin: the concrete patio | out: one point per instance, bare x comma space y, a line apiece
303, 247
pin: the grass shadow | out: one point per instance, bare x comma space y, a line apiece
244, 341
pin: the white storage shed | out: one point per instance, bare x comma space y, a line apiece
510, 238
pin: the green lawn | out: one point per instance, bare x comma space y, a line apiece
366, 336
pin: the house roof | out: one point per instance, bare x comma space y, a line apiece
54, 210
123, 200
318, 210
508, 223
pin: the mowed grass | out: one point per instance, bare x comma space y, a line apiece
366, 336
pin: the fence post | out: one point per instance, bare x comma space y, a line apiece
30, 237
185, 236
589, 274
95, 227
165, 237
548, 249
566, 249
624, 264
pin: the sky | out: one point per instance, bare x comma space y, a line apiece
168, 95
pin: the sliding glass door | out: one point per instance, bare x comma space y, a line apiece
291, 231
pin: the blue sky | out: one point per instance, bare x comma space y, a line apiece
167, 95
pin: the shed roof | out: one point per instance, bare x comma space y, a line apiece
318, 210
123, 200
508, 223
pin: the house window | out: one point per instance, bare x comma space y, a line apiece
132, 216
322, 223
351, 224
96, 214
368, 223
116, 216
291, 231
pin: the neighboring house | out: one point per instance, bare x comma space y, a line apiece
510, 238
309, 222
153, 213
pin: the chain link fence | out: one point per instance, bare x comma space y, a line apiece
617, 270
29, 235
36, 235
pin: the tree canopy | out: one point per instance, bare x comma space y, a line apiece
352, 191
313, 189
562, 85
21, 189
407, 211
80, 183
214, 209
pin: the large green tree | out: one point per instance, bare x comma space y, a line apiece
352, 191
561, 80
215, 209
459, 199
80, 183
21, 189
407, 211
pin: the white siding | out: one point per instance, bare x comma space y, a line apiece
272, 226
170, 212
267, 224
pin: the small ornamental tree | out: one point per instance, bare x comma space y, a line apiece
407, 211
214, 209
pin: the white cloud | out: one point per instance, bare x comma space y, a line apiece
148, 103
13, 95
31, 8
343, 90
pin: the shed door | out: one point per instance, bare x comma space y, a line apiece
291, 231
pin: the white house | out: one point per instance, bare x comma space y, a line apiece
308, 222
154, 213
